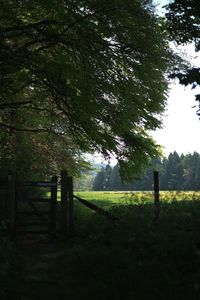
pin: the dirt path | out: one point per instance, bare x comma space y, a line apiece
43, 273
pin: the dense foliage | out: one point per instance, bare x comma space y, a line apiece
176, 173
183, 25
83, 75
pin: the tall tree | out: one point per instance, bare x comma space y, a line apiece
99, 181
191, 165
176, 173
115, 179
183, 24
108, 171
172, 175
91, 70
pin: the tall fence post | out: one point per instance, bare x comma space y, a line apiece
64, 204
12, 200
53, 205
156, 194
71, 206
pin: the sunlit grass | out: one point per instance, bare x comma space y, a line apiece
137, 197
109, 198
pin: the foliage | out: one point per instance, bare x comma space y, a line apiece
176, 173
91, 71
183, 25
84, 182
99, 180
34, 156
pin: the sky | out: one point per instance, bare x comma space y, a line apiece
181, 125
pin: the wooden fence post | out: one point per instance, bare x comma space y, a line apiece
12, 200
66, 204
71, 206
53, 205
156, 194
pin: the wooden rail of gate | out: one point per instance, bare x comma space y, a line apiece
24, 197
97, 209
12, 190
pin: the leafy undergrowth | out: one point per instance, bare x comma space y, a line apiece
136, 258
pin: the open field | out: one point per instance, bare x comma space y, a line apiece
109, 198
139, 258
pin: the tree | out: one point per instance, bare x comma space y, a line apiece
41, 155
191, 166
115, 179
99, 181
172, 175
177, 172
84, 183
93, 71
183, 24
108, 171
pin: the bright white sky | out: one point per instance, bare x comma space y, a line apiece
181, 125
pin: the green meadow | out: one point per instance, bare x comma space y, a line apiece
109, 198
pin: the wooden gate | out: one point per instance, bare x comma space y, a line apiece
36, 207
33, 207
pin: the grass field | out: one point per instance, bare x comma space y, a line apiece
138, 258
108, 198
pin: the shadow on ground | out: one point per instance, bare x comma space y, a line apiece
137, 258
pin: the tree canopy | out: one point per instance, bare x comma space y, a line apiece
89, 72
183, 24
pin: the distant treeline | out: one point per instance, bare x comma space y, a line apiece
177, 172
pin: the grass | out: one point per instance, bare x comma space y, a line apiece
140, 258
108, 198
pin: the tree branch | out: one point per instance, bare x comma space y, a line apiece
89, 15
5, 105
30, 26
34, 130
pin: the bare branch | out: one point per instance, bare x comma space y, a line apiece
13, 105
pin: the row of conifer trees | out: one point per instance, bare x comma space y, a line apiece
177, 172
